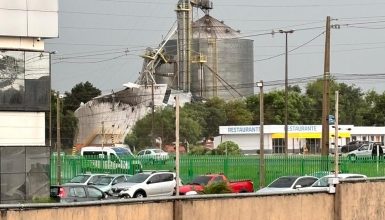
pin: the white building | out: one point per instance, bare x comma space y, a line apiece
299, 136
25, 84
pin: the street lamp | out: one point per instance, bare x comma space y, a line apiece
286, 85
261, 137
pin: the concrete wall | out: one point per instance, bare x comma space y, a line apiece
358, 200
361, 200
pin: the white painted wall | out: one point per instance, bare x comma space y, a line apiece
29, 18
22, 129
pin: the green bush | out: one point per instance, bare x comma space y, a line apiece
43, 200
216, 188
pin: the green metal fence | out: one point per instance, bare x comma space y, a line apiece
234, 167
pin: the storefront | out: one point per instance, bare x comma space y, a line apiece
301, 138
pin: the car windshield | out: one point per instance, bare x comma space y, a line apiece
201, 180
157, 151
322, 182
80, 179
138, 178
283, 182
122, 152
104, 181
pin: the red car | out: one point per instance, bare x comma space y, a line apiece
198, 184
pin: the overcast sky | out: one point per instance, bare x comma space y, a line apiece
100, 40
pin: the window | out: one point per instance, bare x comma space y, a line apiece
94, 193
148, 152
24, 81
305, 182
155, 179
278, 145
167, 177
218, 179
119, 180
77, 192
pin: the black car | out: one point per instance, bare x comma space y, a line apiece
76, 193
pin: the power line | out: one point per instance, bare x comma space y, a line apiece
302, 45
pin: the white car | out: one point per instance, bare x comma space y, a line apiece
323, 183
153, 154
365, 151
143, 185
287, 184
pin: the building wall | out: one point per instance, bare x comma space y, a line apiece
29, 18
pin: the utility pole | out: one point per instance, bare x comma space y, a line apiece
152, 114
336, 138
58, 144
177, 144
103, 134
325, 94
261, 137
286, 88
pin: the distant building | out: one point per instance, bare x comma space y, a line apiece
300, 137
25, 84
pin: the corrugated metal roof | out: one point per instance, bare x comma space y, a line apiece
209, 27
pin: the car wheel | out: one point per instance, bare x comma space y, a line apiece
139, 195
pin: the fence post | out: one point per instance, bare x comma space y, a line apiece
302, 166
226, 166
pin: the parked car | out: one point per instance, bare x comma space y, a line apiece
84, 179
153, 155
351, 146
198, 183
288, 184
118, 159
323, 183
143, 185
76, 193
366, 151
105, 183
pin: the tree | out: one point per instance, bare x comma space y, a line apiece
81, 92
237, 113
228, 148
164, 127
215, 117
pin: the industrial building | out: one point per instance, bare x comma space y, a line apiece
197, 60
25, 84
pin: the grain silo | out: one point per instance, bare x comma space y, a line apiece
221, 61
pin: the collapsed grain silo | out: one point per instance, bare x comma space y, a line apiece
218, 61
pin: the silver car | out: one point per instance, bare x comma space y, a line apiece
287, 184
146, 185
105, 183
85, 179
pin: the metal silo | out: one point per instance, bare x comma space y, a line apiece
221, 62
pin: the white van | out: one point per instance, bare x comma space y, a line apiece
109, 159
